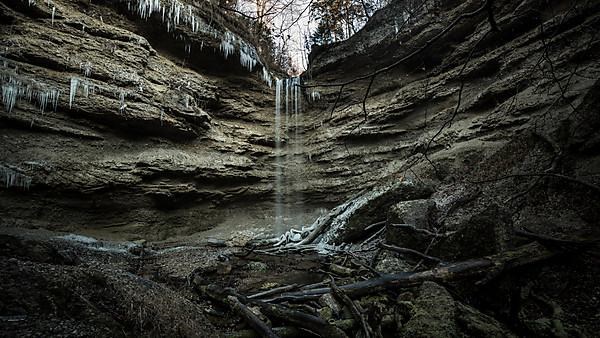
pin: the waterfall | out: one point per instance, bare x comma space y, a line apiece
278, 159
287, 165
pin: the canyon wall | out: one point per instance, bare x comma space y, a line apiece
164, 136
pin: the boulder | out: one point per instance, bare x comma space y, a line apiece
436, 314
413, 215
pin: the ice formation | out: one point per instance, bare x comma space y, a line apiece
227, 47
86, 67
315, 96
173, 13
73, 91
267, 77
14, 178
16, 88
247, 58
122, 104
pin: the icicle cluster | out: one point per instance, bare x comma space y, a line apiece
16, 89
122, 104
174, 12
227, 47
13, 178
267, 77
86, 86
86, 68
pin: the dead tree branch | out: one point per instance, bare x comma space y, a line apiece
258, 325
525, 255
410, 252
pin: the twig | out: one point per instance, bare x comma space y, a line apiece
410, 251
274, 291
354, 308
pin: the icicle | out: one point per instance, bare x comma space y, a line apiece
315, 95
13, 178
73, 91
122, 104
266, 76
43, 101
287, 103
10, 93
53, 12
227, 47
86, 88
54, 98
87, 68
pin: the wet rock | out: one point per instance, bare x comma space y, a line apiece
348, 221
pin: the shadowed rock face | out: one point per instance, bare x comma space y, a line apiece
153, 141
189, 144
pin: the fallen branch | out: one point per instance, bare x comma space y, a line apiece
301, 319
258, 325
525, 255
548, 240
273, 291
424, 231
410, 251
354, 308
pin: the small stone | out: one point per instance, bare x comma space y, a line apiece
257, 266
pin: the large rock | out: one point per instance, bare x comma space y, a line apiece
406, 221
482, 232
348, 221
437, 314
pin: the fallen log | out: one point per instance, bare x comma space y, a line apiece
258, 325
301, 319
524, 255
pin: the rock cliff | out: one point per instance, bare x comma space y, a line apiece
130, 120
138, 124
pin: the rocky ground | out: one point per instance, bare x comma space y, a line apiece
58, 284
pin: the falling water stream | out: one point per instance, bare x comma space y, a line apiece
288, 147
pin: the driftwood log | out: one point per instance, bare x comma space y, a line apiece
524, 255
258, 325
